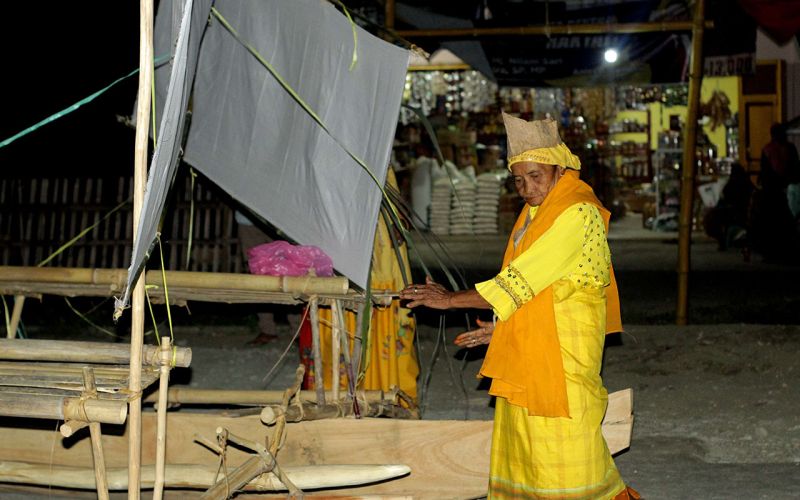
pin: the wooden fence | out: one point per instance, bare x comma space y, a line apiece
39, 215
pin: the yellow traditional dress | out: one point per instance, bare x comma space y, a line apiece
547, 441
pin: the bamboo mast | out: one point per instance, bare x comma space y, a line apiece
140, 179
689, 159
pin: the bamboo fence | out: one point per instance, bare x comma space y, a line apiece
37, 215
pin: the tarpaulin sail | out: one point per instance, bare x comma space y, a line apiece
251, 137
173, 111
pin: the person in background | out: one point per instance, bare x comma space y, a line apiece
727, 222
772, 229
554, 299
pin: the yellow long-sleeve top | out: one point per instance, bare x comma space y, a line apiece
573, 248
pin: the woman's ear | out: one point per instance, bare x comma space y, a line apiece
561, 171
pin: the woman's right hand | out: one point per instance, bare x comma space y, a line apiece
480, 336
431, 294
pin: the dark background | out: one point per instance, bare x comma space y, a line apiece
57, 53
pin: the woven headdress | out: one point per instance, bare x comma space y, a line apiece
538, 141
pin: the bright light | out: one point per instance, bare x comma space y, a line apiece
610, 56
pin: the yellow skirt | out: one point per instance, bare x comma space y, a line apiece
561, 458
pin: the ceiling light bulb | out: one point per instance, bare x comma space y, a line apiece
610, 56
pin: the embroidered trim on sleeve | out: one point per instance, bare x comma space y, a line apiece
511, 281
510, 291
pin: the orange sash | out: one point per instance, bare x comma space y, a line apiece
524, 356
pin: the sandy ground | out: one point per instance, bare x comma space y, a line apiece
716, 403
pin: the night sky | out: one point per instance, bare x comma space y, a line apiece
56, 53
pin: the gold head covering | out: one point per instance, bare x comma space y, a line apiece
538, 141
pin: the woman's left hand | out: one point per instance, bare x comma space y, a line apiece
431, 294
479, 336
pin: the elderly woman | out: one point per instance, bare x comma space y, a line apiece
554, 300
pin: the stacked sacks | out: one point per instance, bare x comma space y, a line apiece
487, 201
463, 206
440, 206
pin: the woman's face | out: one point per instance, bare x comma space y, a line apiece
534, 180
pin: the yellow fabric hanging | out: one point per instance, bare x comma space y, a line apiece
392, 358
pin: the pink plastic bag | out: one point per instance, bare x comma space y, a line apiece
281, 258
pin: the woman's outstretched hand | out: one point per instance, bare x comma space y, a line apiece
479, 336
431, 294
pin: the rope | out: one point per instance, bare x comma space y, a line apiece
88, 321
75, 106
355, 34
80, 235
166, 290
289, 346
222, 440
82, 406
193, 176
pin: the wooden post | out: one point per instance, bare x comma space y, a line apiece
390, 16
16, 313
689, 157
161, 428
101, 483
316, 349
336, 345
137, 302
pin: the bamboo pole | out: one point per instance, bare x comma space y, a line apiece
569, 29
16, 313
115, 279
191, 396
58, 407
137, 302
346, 359
161, 428
228, 281
81, 275
68, 351
316, 349
98, 458
688, 173
336, 345
358, 339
